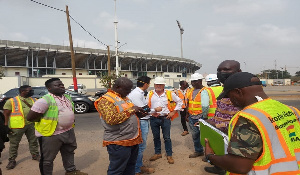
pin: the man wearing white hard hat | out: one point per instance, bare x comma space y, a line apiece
214, 90
164, 105
198, 104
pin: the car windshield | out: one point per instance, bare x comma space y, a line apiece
71, 92
72, 87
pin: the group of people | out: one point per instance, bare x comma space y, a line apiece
264, 133
47, 123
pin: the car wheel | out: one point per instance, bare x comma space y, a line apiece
81, 107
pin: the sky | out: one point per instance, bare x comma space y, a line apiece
260, 34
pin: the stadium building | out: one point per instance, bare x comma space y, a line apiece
30, 60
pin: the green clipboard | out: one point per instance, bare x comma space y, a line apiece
218, 141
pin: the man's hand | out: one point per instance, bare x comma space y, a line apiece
158, 109
7, 129
187, 118
171, 114
208, 149
211, 122
137, 109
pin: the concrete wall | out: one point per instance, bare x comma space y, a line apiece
11, 71
69, 72
8, 83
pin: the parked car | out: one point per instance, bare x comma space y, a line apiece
82, 103
100, 92
81, 88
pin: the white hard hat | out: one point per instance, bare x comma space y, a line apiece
159, 80
211, 77
196, 76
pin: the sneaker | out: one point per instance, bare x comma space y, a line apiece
155, 157
215, 170
35, 157
76, 172
11, 164
196, 154
170, 160
147, 170
185, 133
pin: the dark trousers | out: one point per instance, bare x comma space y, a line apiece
122, 159
165, 124
183, 120
65, 143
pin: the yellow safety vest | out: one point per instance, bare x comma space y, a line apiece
17, 119
47, 125
213, 93
195, 107
171, 103
280, 131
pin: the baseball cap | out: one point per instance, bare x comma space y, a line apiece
238, 80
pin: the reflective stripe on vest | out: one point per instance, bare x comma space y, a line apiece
277, 155
195, 107
120, 104
17, 119
213, 93
171, 103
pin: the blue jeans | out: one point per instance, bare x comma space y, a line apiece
165, 125
195, 134
145, 129
122, 159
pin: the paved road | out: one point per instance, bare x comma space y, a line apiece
92, 158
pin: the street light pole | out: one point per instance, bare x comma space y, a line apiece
116, 40
181, 32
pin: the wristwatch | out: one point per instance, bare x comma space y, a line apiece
207, 158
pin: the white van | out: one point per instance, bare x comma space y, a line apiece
81, 88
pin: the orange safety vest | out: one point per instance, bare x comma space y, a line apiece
182, 96
171, 103
114, 134
17, 119
213, 93
195, 107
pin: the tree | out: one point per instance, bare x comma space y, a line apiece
1, 72
276, 74
108, 80
298, 74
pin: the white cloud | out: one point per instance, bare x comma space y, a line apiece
106, 21
17, 36
250, 7
275, 35
228, 35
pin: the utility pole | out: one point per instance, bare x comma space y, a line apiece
116, 40
181, 30
108, 61
72, 51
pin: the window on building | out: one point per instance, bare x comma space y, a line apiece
17, 73
153, 76
80, 73
167, 75
63, 73
178, 75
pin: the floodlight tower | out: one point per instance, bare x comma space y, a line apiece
181, 32
116, 39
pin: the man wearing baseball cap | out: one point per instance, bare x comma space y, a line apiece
264, 135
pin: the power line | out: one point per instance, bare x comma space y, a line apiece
71, 18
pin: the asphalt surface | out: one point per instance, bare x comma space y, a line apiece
92, 158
